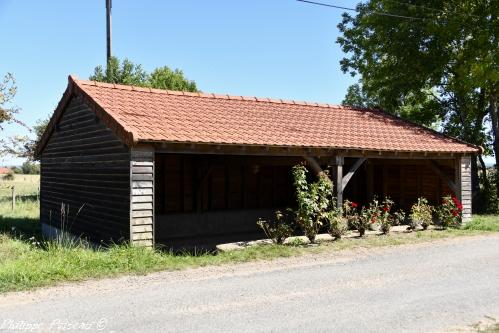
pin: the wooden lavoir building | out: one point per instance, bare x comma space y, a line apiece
174, 168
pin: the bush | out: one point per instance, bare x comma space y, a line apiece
277, 229
17, 170
314, 201
30, 168
486, 200
338, 225
450, 212
9, 176
421, 214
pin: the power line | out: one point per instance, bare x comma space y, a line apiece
355, 10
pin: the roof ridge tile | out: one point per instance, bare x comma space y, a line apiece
209, 95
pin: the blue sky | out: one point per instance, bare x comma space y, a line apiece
270, 48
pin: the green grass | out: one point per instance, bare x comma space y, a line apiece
483, 223
490, 325
25, 264
26, 185
26, 261
492, 329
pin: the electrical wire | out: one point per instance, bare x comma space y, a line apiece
355, 10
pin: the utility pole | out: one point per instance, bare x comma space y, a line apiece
109, 5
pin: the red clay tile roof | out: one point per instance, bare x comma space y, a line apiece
4, 171
152, 115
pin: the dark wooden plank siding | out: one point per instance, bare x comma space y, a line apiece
87, 168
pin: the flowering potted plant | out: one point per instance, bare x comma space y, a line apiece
351, 213
385, 217
338, 224
368, 216
421, 214
398, 217
277, 229
450, 212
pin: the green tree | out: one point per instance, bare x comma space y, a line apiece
8, 113
26, 145
165, 78
437, 63
126, 72
30, 168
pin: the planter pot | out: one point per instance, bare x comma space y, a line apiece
414, 224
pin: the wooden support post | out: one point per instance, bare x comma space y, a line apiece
351, 172
338, 179
13, 197
402, 186
370, 181
463, 184
385, 181
142, 196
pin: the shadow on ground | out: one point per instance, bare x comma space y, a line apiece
18, 225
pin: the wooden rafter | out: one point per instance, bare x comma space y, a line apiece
312, 162
435, 167
351, 172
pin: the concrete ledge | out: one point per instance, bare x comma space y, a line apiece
304, 240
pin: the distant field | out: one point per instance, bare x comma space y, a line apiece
26, 185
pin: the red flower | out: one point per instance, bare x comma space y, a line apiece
455, 213
353, 204
386, 208
456, 201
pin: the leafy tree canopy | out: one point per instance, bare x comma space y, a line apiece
8, 112
437, 63
30, 168
427, 66
126, 72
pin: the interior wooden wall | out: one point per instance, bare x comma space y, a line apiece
402, 180
201, 183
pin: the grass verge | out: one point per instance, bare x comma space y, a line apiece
25, 263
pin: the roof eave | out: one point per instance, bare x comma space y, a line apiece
128, 137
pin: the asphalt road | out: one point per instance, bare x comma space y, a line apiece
418, 288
